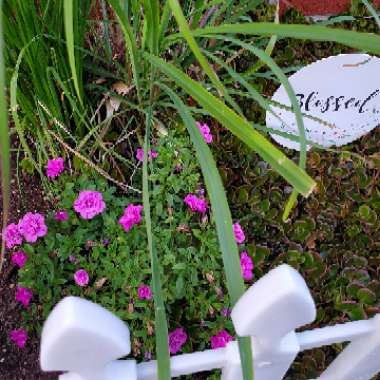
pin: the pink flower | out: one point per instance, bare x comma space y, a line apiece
140, 154
81, 277
12, 236
131, 216
55, 167
61, 216
205, 131
19, 337
196, 204
177, 339
239, 233
24, 295
89, 204
32, 226
247, 266
144, 292
220, 340
19, 258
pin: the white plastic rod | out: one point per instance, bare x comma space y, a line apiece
185, 364
360, 360
326, 336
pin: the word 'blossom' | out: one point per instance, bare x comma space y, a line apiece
247, 266
55, 167
131, 216
19, 258
144, 292
19, 336
140, 154
220, 340
12, 236
196, 204
89, 204
81, 277
61, 216
177, 339
239, 233
32, 226
24, 295
205, 131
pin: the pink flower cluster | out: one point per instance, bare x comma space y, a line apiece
30, 227
247, 266
239, 233
55, 167
131, 216
24, 295
205, 131
19, 336
89, 204
19, 258
220, 340
177, 339
196, 204
61, 216
144, 292
140, 154
81, 277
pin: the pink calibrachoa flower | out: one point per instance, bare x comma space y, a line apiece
239, 233
81, 277
220, 340
24, 295
196, 204
61, 216
144, 292
131, 216
55, 167
12, 236
205, 130
247, 266
89, 204
32, 226
19, 336
140, 154
177, 339
19, 258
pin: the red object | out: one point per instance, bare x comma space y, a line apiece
318, 7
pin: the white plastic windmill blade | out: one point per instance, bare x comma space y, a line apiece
275, 305
80, 335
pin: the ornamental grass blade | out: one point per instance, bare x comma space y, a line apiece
358, 40
4, 144
161, 326
68, 8
223, 221
240, 127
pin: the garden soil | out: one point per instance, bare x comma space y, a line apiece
16, 363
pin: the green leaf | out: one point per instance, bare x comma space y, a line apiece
239, 127
4, 144
223, 220
363, 41
68, 8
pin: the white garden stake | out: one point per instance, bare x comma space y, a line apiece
86, 340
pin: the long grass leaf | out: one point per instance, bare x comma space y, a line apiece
239, 127
223, 221
4, 144
162, 348
363, 41
68, 7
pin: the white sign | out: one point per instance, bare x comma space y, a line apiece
339, 97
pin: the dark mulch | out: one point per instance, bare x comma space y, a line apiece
16, 363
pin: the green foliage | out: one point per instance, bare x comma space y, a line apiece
187, 247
